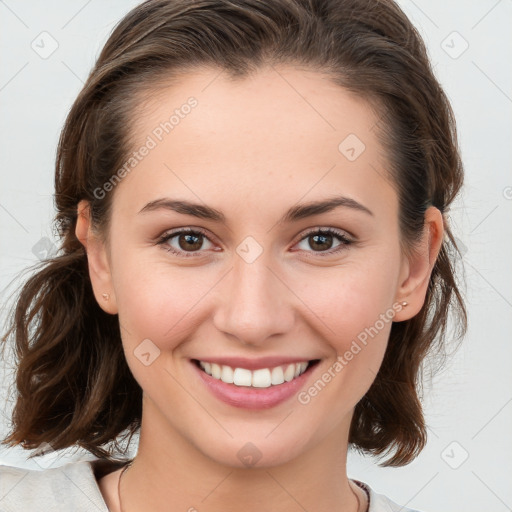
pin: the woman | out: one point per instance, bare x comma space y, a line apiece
255, 261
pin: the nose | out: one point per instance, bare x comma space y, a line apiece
255, 302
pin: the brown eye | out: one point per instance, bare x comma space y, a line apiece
189, 242
185, 242
322, 240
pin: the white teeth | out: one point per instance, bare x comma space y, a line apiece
227, 374
277, 376
289, 373
261, 378
207, 367
242, 377
216, 371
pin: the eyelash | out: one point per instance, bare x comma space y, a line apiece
345, 242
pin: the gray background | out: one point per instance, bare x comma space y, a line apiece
466, 465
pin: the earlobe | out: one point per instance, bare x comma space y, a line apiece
97, 260
417, 267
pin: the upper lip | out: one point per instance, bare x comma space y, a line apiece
254, 364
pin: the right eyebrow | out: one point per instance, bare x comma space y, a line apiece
295, 213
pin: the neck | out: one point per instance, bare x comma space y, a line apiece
169, 469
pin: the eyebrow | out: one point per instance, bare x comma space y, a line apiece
295, 213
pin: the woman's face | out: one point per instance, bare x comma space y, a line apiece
256, 286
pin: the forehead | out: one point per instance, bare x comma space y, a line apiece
292, 101
282, 133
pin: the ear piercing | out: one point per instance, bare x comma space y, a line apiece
106, 296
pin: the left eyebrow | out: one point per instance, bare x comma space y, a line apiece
316, 207
295, 213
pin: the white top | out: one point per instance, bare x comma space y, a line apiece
73, 488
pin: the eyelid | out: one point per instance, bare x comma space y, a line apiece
193, 229
327, 230
345, 241
340, 234
169, 234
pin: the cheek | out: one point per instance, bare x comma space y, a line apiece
157, 305
352, 311
167, 304
157, 301
347, 301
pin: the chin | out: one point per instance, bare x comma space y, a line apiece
254, 455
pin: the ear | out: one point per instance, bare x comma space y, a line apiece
416, 268
97, 259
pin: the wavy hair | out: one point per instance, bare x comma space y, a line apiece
74, 387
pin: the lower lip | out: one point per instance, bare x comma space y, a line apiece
253, 398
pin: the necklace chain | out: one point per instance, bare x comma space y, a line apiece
358, 503
357, 498
119, 485
130, 463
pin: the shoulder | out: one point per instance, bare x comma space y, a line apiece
381, 503
71, 487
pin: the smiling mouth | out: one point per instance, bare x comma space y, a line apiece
260, 378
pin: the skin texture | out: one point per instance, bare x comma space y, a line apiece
252, 149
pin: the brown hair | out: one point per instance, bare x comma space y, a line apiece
74, 385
